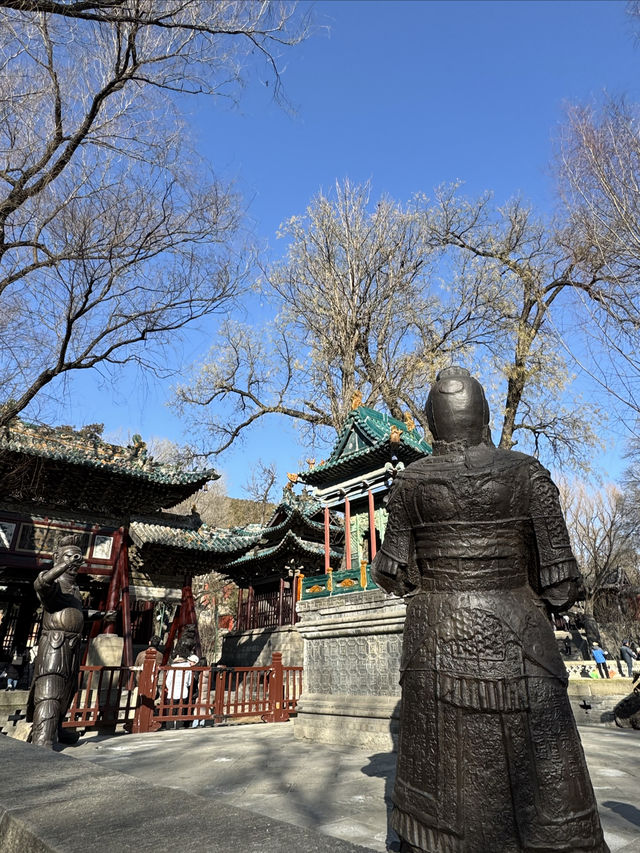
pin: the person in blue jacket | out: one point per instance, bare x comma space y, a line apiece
598, 655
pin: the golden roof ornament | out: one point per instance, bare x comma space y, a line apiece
356, 400
395, 434
292, 478
409, 422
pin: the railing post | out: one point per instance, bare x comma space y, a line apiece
147, 681
218, 699
277, 713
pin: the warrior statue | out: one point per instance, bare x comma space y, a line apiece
489, 757
55, 677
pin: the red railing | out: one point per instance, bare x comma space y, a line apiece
104, 697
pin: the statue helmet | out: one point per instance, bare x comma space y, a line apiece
457, 410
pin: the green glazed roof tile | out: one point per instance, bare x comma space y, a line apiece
71, 446
373, 429
211, 540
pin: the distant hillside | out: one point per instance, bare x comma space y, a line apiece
219, 510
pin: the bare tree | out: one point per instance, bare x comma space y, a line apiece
359, 310
603, 538
260, 485
599, 175
536, 270
112, 237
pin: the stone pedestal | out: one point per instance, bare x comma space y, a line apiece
352, 647
256, 648
105, 650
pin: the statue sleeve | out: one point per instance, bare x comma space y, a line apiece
390, 568
45, 590
558, 578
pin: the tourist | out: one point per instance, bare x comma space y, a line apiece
177, 683
601, 662
12, 675
628, 656
201, 690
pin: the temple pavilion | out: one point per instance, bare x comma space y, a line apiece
371, 448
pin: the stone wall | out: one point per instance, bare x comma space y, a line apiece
352, 647
255, 648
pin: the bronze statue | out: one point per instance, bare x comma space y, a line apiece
57, 663
489, 756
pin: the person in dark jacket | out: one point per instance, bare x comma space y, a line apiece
628, 656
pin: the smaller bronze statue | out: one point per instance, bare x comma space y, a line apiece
57, 663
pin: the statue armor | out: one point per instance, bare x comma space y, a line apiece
489, 756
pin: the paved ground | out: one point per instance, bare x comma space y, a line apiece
337, 790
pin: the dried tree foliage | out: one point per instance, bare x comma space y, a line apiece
113, 236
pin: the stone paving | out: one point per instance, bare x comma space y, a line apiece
338, 790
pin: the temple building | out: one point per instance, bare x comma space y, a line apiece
303, 553
270, 575
56, 482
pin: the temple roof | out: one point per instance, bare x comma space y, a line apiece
302, 513
62, 466
211, 540
365, 442
274, 558
179, 546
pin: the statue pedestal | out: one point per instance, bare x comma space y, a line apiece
105, 650
351, 691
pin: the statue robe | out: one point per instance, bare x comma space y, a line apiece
489, 759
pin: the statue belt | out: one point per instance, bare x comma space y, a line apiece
68, 635
504, 538
469, 575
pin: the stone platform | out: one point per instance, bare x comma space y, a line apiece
54, 803
340, 791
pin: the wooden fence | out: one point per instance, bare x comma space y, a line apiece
176, 696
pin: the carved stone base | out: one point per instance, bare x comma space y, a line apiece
352, 646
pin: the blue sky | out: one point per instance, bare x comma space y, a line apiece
407, 95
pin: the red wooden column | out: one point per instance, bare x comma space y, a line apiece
113, 595
347, 533
296, 595
240, 620
372, 528
250, 614
188, 614
172, 634
127, 652
327, 542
